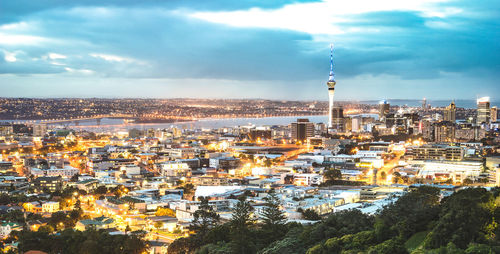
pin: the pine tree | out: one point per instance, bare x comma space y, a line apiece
273, 218
272, 214
204, 218
240, 227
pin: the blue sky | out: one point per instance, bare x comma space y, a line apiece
437, 49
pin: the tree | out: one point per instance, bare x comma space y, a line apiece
188, 189
4, 199
76, 215
204, 218
395, 246
273, 217
333, 174
272, 214
74, 178
383, 175
240, 223
164, 211
78, 205
158, 225
101, 190
396, 177
412, 212
46, 228
268, 163
309, 214
182, 245
468, 181
72, 241
464, 219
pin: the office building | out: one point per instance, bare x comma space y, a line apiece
483, 110
450, 112
39, 130
6, 129
437, 152
467, 132
356, 124
66, 172
383, 109
337, 119
47, 183
302, 129
494, 114
444, 131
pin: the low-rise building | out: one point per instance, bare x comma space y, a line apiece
307, 179
47, 183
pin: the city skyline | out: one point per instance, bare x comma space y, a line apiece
249, 50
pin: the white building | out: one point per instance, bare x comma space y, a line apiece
6, 228
369, 154
66, 172
455, 170
175, 169
130, 170
313, 157
50, 207
307, 179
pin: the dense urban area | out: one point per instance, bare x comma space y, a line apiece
152, 109
376, 178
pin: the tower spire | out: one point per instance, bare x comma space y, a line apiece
331, 78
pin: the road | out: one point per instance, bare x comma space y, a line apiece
388, 169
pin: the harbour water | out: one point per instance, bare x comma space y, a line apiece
113, 125
119, 124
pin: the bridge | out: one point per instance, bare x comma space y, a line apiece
77, 120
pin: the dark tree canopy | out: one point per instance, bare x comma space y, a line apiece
420, 221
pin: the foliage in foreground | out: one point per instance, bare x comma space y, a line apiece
73, 241
465, 222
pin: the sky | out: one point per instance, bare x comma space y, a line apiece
385, 49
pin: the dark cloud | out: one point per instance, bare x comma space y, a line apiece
13, 11
159, 40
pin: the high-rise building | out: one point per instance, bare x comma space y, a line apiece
337, 119
39, 130
356, 124
6, 129
444, 132
383, 109
331, 89
494, 114
302, 129
483, 110
424, 103
450, 112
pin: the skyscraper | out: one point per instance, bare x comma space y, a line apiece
383, 108
302, 129
331, 90
337, 119
494, 114
444, 132
483, 110
450, 112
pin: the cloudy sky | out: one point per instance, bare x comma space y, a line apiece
437, 49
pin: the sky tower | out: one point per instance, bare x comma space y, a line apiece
331, 90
